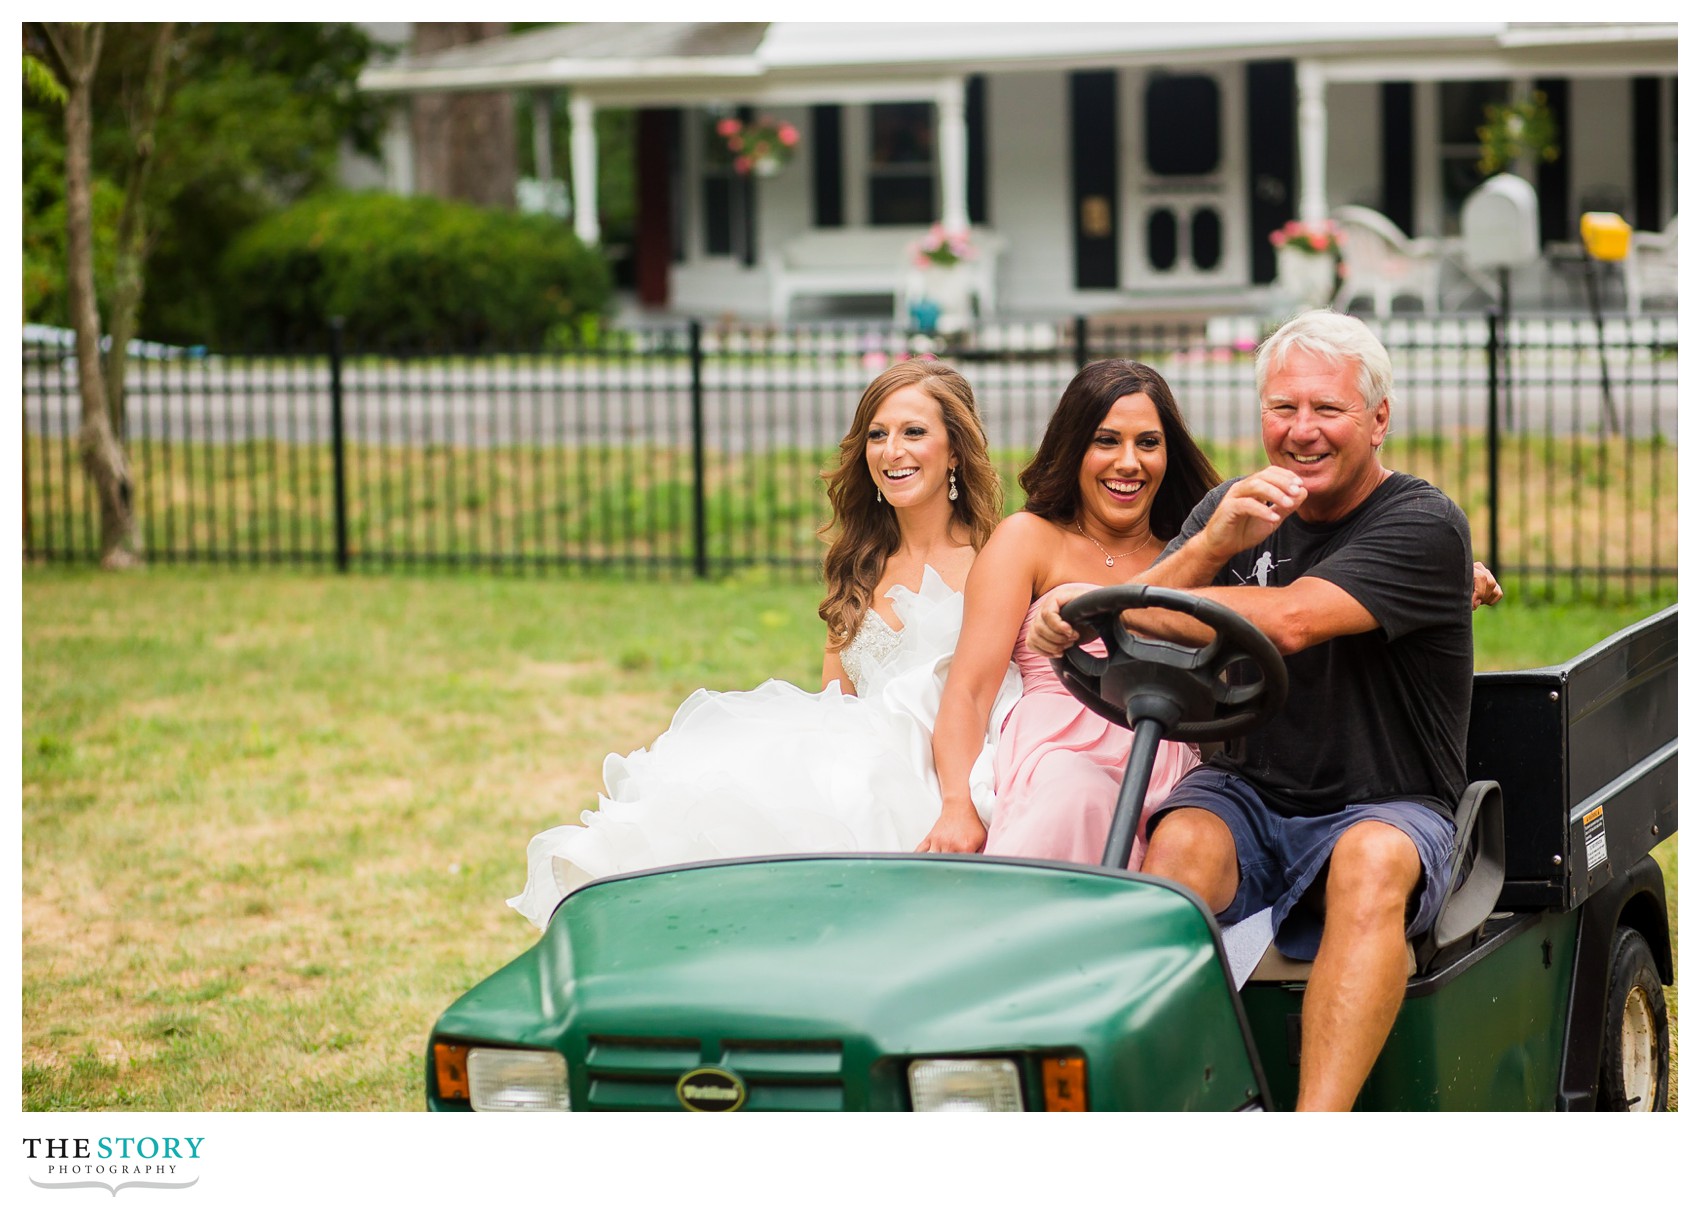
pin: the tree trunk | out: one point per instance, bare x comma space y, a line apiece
130, 277
78, 47
463, 142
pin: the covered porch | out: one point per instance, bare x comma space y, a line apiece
1130, 168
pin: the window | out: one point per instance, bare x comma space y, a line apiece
901, 163
1463, 105
725, 196
1183, 126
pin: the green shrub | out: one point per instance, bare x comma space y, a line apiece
407, 273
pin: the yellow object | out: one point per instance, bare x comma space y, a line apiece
1606, 235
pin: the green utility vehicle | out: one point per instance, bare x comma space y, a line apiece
942, 983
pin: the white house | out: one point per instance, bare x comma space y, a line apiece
1122, 166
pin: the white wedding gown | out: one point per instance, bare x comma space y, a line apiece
779, 770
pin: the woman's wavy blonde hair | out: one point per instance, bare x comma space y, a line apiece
863, 530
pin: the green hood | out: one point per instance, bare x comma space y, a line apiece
854, 963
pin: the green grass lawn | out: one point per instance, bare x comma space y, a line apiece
269, 819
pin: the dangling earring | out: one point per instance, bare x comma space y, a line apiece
953, 493
878, 496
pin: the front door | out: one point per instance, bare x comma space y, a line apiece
1185, 179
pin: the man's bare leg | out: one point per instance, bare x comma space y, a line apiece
1195, 848
1358, 980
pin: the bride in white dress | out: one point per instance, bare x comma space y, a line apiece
780, 770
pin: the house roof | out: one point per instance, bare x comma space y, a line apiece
579, 53
668, 62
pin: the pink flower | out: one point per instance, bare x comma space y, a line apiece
727, 127
736, 143
873, 360
1319, 241
742, 164
788, 134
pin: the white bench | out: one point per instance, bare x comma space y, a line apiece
840, 261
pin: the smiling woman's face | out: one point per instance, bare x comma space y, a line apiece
908, 448
1124, 465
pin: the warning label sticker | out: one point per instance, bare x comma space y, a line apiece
1594, 835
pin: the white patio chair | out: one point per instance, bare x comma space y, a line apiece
1379, 261
1649, 272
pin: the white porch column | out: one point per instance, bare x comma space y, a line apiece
953, 153
584, 170
542, 153
398, 153
1313, 141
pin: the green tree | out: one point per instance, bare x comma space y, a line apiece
250, 120
173, 139
77, 47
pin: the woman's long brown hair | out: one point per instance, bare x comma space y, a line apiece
1052, 479
864, 529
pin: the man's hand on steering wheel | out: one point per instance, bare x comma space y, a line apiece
1187, 689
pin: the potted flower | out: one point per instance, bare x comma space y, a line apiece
1318, 238
1510, 132
942, 248
939, 295
1307, 258
762, 146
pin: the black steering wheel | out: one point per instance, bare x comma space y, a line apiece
1183, 687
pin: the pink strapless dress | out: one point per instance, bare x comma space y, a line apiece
1059, 768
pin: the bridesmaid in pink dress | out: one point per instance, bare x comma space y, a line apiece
1115, 475
1060, 766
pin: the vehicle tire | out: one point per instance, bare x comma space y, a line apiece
1635, 1056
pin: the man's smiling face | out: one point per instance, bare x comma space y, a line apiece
1316, 425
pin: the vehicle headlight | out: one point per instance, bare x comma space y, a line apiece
965, 1084
517, 1080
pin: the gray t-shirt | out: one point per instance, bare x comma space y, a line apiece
1382, 715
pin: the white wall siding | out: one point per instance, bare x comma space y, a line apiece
1601, 151
1029, 191
718, 285
1354, 145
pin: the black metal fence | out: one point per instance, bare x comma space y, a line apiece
696, 449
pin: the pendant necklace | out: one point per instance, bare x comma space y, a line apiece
1109, 560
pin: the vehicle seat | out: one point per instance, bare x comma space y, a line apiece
1476, 874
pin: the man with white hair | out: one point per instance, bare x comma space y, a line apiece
1337, 813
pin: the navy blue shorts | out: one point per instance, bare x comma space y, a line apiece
1280, 857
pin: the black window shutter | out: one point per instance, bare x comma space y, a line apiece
1272, 137
1399, 154
976, 116
1552, 177
1647, 169
1092, 136
827, 158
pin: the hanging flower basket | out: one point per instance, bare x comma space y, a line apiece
762, 147
1523, 128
